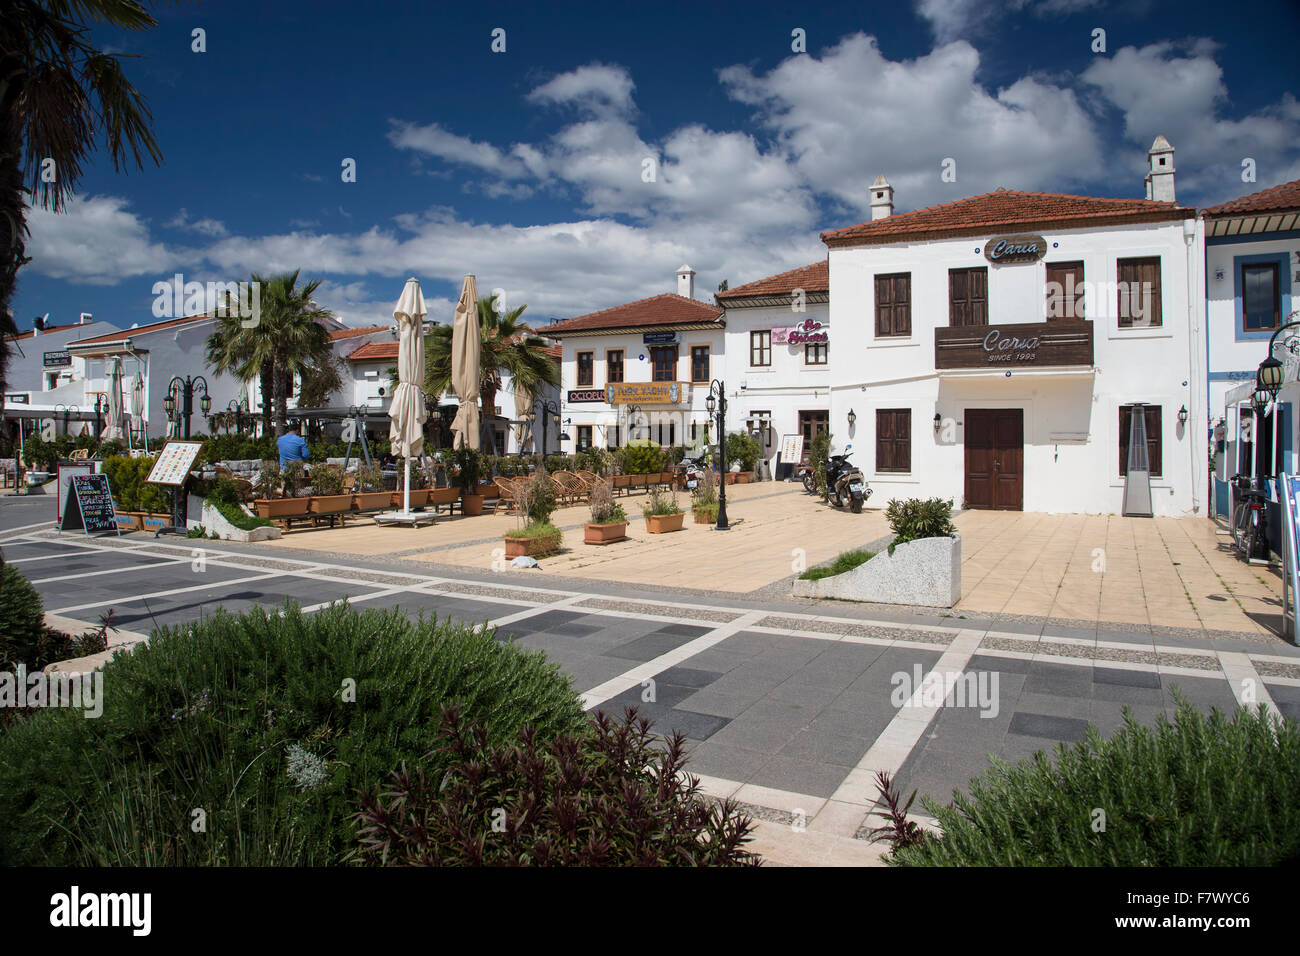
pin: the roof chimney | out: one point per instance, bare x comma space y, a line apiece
882, 198
86, 319
1160, 171
686, 282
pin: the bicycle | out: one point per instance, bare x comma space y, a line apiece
1247, 534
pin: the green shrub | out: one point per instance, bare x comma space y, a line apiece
126, 476
661, 501
208, 715
238, 516
1200, 791
844, 562
559, 463
917, 518
819, 457
744, 448
610, 797
22, 619
237, 447
468, 465
642, 459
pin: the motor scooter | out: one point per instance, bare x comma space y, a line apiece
845, 483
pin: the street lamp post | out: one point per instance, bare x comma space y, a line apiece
101, 405
717, 402
179, 403
239, 408
549, 410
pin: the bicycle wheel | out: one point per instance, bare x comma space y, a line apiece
1240, 518
810, 482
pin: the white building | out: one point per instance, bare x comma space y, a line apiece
639, 370
992, 350
777, 344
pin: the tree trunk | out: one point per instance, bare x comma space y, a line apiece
13, 221
266, 387
281, 399
488, 403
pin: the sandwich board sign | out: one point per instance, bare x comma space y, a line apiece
1289, 499
89, 506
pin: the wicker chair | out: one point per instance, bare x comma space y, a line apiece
507, 497
576, 489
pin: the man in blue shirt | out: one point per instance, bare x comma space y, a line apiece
291, 445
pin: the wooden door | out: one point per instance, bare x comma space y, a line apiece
995, 455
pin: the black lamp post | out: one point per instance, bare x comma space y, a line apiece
67, 411
549, 410
101, 405
239, 408
717, 403
179, 403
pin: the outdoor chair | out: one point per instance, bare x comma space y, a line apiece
563, 494
506, 497
577, 489
589, 478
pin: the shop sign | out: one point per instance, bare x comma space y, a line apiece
1020, 344
809, 330
659, 338
580, 395
1005, 249
644, 393
60, 359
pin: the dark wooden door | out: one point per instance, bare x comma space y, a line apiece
995, 457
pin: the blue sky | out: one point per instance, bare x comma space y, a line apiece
526, 167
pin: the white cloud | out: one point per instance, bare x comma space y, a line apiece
207, 227
97, 240
596, 88
957, 19
433, 140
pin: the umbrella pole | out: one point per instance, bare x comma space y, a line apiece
406, 495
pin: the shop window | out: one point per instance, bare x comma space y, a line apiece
1064, 291
760, 348
1139, 293
968, 296
586, 368
584, 437
1153, 437
893, 440
612, 437
894, 305
1261, 301
816, 353
664, 359
614, 365
699, 363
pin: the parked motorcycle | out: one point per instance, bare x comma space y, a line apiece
694, 468
809, 478
847, 486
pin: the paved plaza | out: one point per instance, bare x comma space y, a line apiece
790, 706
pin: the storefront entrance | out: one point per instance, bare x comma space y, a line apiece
995, 458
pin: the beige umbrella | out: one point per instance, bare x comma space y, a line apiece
524, 430
407, 409
466, 345
113, 421
137, 406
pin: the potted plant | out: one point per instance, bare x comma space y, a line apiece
420, 481
704, 500
662, 513
370, 492
269, 501
468, 465
535, 502
327, 495
743, 450
608, 519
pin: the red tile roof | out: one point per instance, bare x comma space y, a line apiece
666, 309
1005, 209
45, 331
140, 330
353, 333
811, 278
375, 352
1286, 196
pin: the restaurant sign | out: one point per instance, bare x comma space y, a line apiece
1006, 249
579, 395
809, 330
60, 359
659, 338
1019, 345
644, 393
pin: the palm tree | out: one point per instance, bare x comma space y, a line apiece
57, 92
509, 347
287, 340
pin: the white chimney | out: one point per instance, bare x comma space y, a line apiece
882, 198
686, 282
85, 319
1160, 171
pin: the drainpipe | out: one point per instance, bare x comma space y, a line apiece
1189, 237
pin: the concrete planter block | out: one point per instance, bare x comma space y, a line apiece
925, 572
214, 521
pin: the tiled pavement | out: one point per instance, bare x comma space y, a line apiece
787, 710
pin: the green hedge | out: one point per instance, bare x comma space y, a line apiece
126, 476
247, 720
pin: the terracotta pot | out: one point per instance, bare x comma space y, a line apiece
744, 478
370, 500
419, 497
329, 504
604, 533
662, 524
731, 477
702, 517
471, 504
281, 507
539, 547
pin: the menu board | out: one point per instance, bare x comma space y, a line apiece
174, 463
1289, 495
89, 506
791, 448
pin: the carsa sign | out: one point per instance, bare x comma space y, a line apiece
1012, 249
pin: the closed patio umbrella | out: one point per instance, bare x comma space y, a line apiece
407, 409
466, 344
137, 406
524, 430
113, 430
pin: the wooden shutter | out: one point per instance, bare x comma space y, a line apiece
1134, 276
894, 304
968, 297
894, 439
1065, 302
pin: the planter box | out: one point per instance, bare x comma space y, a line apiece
744, 477
604, 533
329, 504
662, 524
539, 547
471, 504
281, 507
129, 521
214, 521
731, 477
925, 572
637, 481
371, 500
622, 481
419, 498
702, 517
152, 522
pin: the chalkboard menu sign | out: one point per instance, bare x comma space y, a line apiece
89, 505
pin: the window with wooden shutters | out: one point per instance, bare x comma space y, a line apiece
816, 353
614, 365
894, 305
1064, 291
1153, 437
1138, 293
664, 358
968, 296
586, 364
894, 439
760, 348
699, 363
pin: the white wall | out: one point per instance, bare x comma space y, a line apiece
1063, 472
